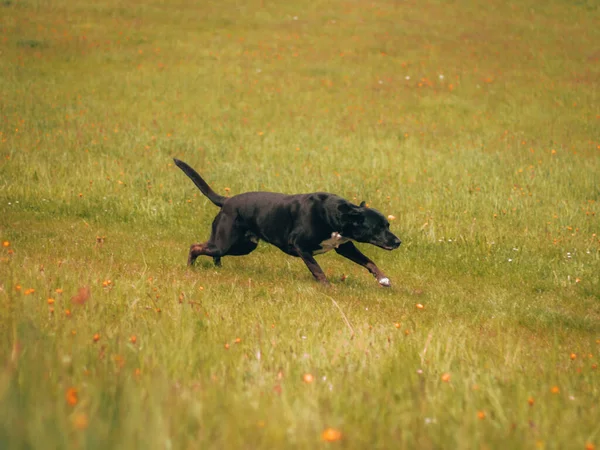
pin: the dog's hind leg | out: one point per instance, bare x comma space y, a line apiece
207, 249
227, 238
350, 251
242, 247
195, 251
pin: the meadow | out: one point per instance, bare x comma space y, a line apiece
475, 124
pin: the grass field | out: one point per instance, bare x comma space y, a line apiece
475, 124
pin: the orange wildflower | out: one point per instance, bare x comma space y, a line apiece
96, 337
481, 415
331, 435
72, 396
446, 377
308, 378
555, 389
5, 244
82, 296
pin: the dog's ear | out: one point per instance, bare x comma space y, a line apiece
345, 208
351, 214
362, 204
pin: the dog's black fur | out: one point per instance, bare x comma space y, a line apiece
300, 225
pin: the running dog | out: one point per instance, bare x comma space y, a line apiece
301, 225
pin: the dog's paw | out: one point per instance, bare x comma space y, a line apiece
385, 282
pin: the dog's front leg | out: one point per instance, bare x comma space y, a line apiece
350, 251
313, 266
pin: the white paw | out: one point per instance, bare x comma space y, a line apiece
385, 282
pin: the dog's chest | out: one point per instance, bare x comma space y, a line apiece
334, 241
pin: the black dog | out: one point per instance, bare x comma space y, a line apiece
301, 225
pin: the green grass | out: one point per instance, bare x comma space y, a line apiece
476, 124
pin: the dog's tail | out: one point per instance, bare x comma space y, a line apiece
217, 199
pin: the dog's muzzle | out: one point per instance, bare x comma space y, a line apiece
392, 244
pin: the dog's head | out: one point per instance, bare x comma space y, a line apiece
367, 225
